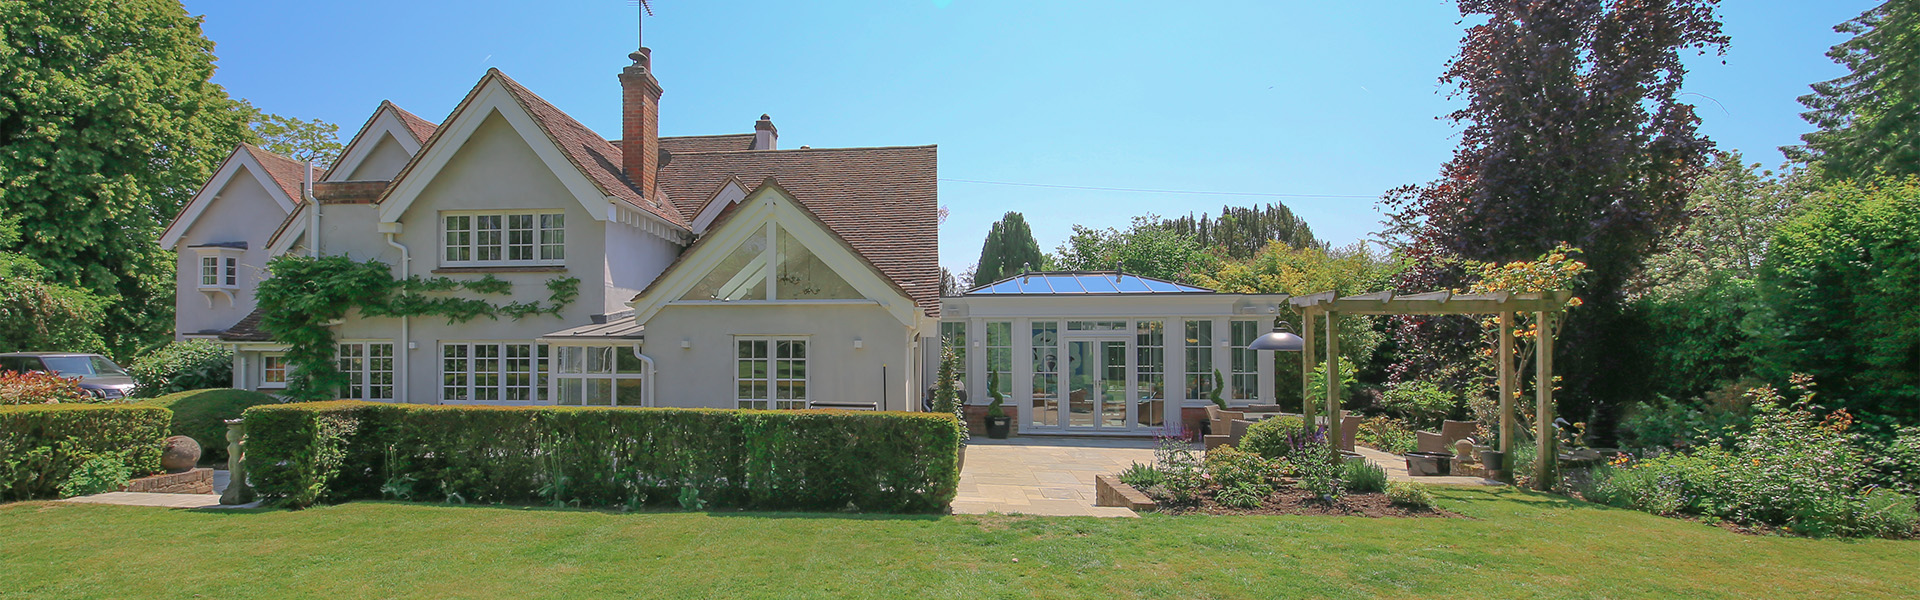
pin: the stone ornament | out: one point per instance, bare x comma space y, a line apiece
180, 455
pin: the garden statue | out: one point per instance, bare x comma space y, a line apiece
180, 454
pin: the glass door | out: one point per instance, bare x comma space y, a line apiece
1096, 385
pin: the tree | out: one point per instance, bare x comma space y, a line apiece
1573, 134
1700, 290
1243, 231
1838, 290
299, 139
38, 316
1869, 119
1147, 247
108, 124
1009, 248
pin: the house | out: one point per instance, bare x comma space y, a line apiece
713, 271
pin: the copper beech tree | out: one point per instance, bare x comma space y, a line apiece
1572, 133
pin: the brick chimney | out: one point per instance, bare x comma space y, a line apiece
765, 137
640, 123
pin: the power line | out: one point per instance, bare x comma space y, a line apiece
1147, 191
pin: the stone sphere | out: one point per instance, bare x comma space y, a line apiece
181, 454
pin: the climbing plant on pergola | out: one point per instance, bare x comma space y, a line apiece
1547, 308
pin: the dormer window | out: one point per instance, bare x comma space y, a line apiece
503, 238
219, 273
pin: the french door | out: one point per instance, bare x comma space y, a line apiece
1094, 386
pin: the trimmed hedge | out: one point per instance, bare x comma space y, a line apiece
41, 445
202, 415
302, 454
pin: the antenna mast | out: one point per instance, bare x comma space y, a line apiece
640, 25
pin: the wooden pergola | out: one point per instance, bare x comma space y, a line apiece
1546, 308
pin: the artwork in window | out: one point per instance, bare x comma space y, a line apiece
741, 276
273, 370
803, 276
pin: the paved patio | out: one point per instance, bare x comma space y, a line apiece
165, 500
1050, 476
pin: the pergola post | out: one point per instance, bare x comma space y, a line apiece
1333, 381
1505, 356
1546, 456
1306, 365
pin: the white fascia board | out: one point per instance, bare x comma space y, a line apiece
729, 194
240, 158
454, 136
387, 123
295, 226
750, 219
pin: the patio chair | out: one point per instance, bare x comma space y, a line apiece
1261, 408
1442, 441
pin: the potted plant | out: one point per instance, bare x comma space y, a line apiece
999, 425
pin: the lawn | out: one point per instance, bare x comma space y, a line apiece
1516, 544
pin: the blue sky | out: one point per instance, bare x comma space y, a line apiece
1335, 99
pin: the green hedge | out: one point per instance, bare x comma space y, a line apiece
40, 445
202, 415
302, 454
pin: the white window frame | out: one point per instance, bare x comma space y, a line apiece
1240, 357
225, 269
1188, 352
540, 250
267, 368
474, 351
564, 375
772, 401
361, 383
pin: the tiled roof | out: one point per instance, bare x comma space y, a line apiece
883, 201
707, 143
247, 330
592, 154
283, 171
421, 128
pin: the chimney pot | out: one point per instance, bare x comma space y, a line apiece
765, 135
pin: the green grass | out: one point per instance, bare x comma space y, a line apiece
1517, 544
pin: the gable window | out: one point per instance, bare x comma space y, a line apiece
771, 373
273, 370
503, 238
493, 372
772, 264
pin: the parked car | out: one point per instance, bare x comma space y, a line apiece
97, 375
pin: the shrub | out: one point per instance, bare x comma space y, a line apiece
1409, 494
1182, 474
1319, 468
1422, 402
1897, 464
182, 366
1364, 477
1387, 434
1275, 437
1141, 476
41, 446
1231, 468
1718, 418
1794, 469
1889, 513
40, 388
203, 414
307, 453
104, 473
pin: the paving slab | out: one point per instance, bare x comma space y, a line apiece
1038, 475
150, 499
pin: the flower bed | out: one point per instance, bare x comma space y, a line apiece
1298, 474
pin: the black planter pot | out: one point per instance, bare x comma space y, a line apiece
999, 428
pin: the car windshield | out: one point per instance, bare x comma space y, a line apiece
81, 365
